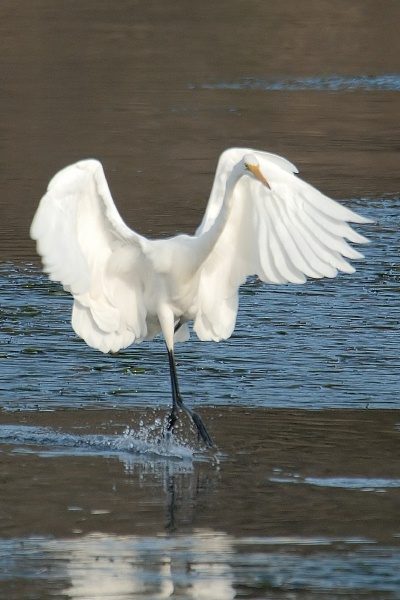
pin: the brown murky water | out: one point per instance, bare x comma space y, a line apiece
297, 502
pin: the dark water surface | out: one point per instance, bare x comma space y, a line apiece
301, 500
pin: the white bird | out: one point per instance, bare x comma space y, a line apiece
261, 219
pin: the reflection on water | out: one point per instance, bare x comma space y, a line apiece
205, 565
194, 565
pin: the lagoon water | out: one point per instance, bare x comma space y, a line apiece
300, 499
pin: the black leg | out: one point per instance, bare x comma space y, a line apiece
177, 403
176, 395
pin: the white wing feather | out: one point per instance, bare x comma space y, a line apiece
86, 246
282, 235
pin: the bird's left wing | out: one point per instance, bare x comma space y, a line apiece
283, 234
85, 245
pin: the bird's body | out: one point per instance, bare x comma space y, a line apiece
260, 220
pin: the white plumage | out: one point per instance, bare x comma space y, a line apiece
128, 288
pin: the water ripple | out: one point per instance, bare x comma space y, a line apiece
332, 83
364, 484
326, 344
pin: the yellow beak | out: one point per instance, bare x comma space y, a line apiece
257, 173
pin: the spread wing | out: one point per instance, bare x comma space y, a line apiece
283, 234
85, 245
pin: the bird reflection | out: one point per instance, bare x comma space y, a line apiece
194, 566
183, 495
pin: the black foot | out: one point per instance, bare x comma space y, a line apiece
201, 428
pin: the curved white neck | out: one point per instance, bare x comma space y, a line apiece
205, 243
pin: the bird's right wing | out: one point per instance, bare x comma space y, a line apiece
282, 234
85, 245
226, 162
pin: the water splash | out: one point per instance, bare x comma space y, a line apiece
144, 444
147, 441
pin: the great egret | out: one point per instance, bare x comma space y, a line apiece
261, 219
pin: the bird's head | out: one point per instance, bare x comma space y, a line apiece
251, 167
